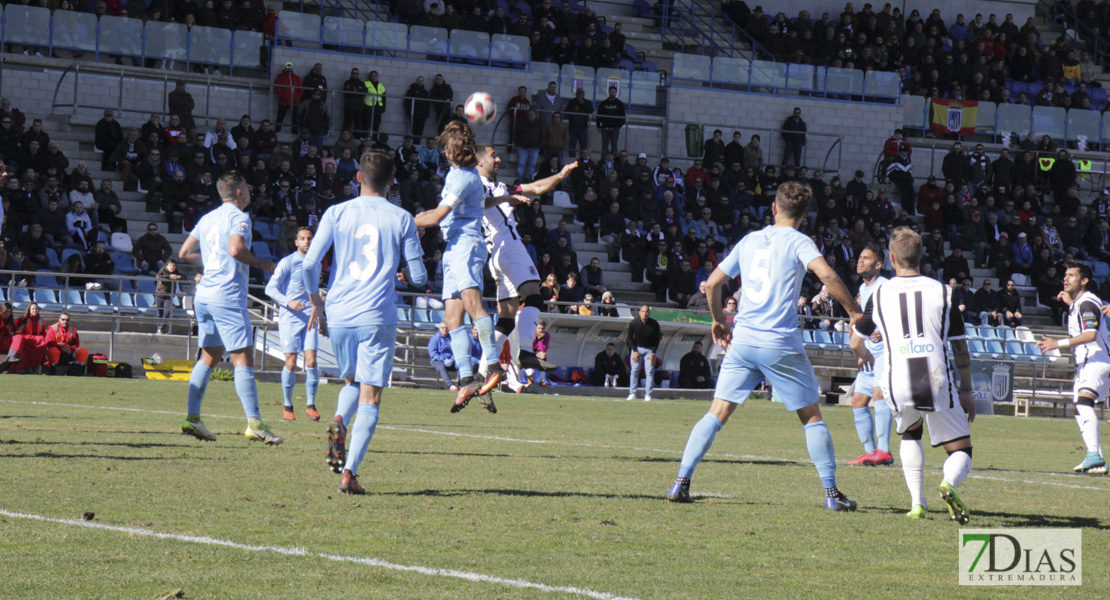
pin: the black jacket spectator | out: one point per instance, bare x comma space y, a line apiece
607, 364
644, 334
693, 370
109, 134
610, 114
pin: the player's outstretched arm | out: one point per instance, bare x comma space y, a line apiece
722, 335
277, 283
542, 186
828, 276
963, 365
859, 348
237, 248
414, 256
190, 250
431, 218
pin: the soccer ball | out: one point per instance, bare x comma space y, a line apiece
480, 108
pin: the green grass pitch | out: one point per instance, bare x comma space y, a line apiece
558, 491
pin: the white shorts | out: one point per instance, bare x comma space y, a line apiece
511, 268
944, 425
1092, 377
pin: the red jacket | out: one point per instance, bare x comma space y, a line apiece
30, 326
8, 328
288, 89
63, 336
522, 106
692, 174
891, 147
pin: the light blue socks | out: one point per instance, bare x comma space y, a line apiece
460, 347
288, 380
486, 339
701, 438
361, 433
248, 392
311, 383
348, 402
198, 382
865, 428
820, 446
883, 420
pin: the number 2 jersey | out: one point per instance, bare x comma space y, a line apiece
1084, 315
771, 264
917, 319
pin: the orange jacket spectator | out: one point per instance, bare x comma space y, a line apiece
288, 87
61, 339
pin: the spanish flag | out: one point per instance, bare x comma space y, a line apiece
954, 116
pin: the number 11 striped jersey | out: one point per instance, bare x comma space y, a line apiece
917, 320
771, 264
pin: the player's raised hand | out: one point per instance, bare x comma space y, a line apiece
967, 401
722, 334
567, 169
402, 277
854, 318
1046, 344
1106, 309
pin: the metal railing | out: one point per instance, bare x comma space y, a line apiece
773, 147
1077, 29
365, 10
704, 24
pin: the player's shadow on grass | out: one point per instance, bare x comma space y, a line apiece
136, 445
472, 454
1010, 519
722, 461
95, 456
542, 494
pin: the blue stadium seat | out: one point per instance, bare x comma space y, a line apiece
261, 250
807, 337
436, 316
46, 281
1017, 351
124, 302
1101, 270
1098, 95
402, 314
47, 299
995, 349
640, 9
52, 259
147, 286
74, 302
20, 297
649, 66
124, 263
145, 303
98, 303
975, 347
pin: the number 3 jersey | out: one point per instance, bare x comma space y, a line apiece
771, 263
370, 236
917, 320
1084, 315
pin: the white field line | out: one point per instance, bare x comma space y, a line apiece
498, 438
360, 560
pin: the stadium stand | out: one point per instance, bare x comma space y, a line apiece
680, 74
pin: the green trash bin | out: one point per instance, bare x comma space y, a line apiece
694, 140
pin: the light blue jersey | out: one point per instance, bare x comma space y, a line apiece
370, 236
865, 293
464, 193
770, 263
224, 282
287, 285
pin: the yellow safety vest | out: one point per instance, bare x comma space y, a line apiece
374, 95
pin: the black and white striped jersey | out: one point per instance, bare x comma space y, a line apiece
498, 222
1085, 314
917, 320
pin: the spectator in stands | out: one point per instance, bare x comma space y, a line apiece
698, 300
610, 119
540, 346
33, 347
955, 265
987, 301
680, 283
633, 248
375, 105
592, 278
1023, 254
7, 111
529, 140
10, 341
572, 292
587, 308
151, 250
441, 357
658, 269
1048, 291
127, 155
556, 135
353, 101
98, 264
53, 222
549, 291
64, 345
578, 112
164, 291
150, 173
547, 101
794, 138
313, 116
442, 96
180, 103
518, 107
34, 246
1009, 305
82, 194
607, 307
609, 369
693, 370
1061, 178
79, 226
643, 338
288, 89
824, 306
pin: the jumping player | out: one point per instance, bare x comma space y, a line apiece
370, 236
1087, 330
766, 343
459, 214
510, 265
877, 430
286, 288
917, 319
221, 242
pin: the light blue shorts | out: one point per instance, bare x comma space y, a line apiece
223, 326
295, 335
866, 381
463, 262
788, 371
366, 352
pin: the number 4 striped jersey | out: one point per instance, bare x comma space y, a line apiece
370, 236
771, 264
917, 320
